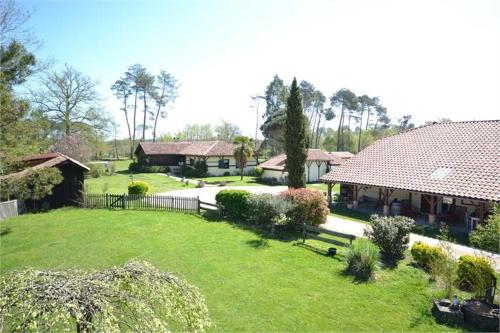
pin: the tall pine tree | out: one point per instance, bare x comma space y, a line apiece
295, 138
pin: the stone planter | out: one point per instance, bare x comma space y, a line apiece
483, 316
444, 313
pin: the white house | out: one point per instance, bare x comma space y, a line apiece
318, 163
218, 155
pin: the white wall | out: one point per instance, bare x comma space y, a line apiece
314, 175
213, 165
272, 174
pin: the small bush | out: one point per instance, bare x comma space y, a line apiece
267, 209
199, 170
362, 259
258, 171
444, 271
269, 181
391, 234
227, 173
475, 273
485, 237
425, 255
111, 168
96, 170
310, 207
138, 187
235, 202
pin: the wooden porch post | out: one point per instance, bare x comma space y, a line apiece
386, 202
481, 212
330, 185
355, 197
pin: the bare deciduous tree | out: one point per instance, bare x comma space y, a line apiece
69, 98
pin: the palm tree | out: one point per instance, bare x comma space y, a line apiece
243, 152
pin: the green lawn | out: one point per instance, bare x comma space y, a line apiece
118, 182
323, 187
251, 283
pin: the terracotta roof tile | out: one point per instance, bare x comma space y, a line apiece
456, 159
194, 148
278, 162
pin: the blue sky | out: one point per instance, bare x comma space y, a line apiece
427, 58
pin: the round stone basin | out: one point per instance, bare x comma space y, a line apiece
482, 315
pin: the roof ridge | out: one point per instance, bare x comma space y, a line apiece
212, 146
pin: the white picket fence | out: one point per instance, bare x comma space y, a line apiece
11, 208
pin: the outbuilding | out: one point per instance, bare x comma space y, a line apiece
446, 172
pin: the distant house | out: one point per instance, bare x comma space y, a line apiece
69, 191
442, 171
218, 155
317, 164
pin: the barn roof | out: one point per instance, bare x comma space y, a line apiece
46, 160
278, 162
193, 148
460, 159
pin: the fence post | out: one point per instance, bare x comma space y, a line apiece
123, 201
107, 202
199, 205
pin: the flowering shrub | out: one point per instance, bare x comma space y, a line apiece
309, 207
475, 273
267, 209
391, 234
425, 255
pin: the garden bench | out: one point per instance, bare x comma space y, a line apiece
312, 232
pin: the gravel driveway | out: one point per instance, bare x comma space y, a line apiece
207, 194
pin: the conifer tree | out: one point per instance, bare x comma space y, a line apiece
295, 138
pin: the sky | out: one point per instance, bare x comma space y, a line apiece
431, 59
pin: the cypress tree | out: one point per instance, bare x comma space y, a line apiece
295, 138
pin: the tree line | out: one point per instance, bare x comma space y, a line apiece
361, 119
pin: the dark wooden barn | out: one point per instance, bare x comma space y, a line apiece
69, 191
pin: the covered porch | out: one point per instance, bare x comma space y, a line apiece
462, 214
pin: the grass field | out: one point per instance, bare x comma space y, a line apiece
118, 182
232, 181
251, 283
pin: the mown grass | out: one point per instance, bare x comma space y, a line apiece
118, 182
233, 181
252, 282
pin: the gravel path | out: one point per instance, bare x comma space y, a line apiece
207, 194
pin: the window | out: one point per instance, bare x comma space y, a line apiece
223, 163
191, 161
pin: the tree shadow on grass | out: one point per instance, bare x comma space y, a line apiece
260, 243
4, 231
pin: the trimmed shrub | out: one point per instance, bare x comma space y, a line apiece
96, 170
235, 202
267, 209
425, 255
258, 171
199, 170
227, 173
391, 234
138, 187
485, 237
362, 259
475, 273
309, 207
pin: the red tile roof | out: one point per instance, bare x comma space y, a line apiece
278, 162
194, 148
460, 159
339, 157
47, 160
